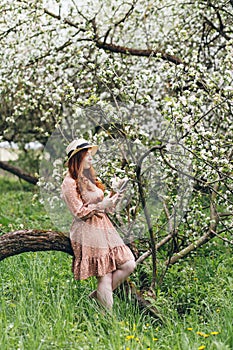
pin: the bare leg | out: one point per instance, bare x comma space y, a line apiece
104, 291
111, 281
121, 274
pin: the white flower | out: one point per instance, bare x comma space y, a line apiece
192, 98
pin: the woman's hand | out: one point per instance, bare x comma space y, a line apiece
109, 202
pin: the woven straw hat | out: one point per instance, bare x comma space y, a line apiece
77, 145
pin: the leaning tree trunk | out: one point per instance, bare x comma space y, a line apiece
22, 241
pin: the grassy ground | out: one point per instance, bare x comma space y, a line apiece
42, 307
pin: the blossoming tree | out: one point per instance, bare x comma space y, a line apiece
152, 76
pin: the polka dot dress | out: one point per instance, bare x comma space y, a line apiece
98, 248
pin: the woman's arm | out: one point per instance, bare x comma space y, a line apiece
76, 205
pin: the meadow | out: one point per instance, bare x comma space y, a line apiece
43, 308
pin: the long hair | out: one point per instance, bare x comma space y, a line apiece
80, 175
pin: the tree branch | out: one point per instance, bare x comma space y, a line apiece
18, 172
145, 209
206, 237
218, 30
16, 28
138, 52
127, 14
203, 182
145, 255
117, 48
17, 242
65, 20
223, 238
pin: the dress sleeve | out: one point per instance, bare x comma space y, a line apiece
74, 201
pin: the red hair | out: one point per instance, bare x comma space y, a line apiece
81, 175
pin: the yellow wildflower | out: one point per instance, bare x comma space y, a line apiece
201, 347
127, 348
214, 333
190, 329
155, 339
128, 337
203, 334
200, 333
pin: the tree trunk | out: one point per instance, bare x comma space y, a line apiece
22, 241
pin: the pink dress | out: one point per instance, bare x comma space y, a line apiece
98, 248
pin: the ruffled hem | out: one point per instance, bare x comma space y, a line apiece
100, 266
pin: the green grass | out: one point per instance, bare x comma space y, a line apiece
43, 307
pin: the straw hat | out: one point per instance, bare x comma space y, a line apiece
77, 145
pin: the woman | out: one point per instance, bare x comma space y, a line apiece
98, 249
